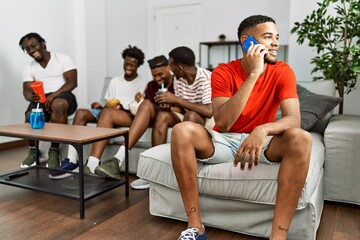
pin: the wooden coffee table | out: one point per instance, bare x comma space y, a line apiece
77, 186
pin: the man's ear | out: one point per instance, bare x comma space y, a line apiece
243, 39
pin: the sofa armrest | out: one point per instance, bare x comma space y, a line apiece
342, 163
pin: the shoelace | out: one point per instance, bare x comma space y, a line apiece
189, 234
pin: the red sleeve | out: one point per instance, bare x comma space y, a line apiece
286, 84
223, 80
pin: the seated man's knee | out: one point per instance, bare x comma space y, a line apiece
298, 140
183, 130
146, 104
105, 113
192, 116
81, 115
59, 106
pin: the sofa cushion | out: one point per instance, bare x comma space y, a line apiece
317, 100
322, 87
224, 181
314, 107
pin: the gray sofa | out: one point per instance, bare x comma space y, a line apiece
243, 201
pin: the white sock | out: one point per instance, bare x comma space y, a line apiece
72, 154
92, 163
120, 155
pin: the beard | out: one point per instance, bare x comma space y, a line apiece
270, 60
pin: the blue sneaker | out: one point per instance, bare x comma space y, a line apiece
65, 165
192, 234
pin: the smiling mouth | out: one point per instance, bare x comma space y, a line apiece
36, 55
273, 52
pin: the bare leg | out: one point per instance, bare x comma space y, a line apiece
162, 122
109, 118
185, 147
83, 117
293, 148
194, 117
59, 108
145, 114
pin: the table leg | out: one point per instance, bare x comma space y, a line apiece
79, 149
37, 152
126, 164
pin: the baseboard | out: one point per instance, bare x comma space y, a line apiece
13, 144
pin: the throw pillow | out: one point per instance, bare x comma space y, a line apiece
313, 107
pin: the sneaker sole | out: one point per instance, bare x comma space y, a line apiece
65, 175
140, 187
105, 174
62, 176
27, 166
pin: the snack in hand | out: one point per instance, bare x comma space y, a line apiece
113, 103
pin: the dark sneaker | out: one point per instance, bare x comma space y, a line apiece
109, 168
87, 171
140, 184
53, 158
65, 165
30, 160
192, 234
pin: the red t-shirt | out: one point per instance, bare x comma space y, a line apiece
277, 83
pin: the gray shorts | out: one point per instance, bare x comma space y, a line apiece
227, 144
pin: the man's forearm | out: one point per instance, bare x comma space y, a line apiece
280, 125
204, 110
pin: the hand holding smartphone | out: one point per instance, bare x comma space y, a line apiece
247, 43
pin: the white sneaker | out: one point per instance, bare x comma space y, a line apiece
140, 184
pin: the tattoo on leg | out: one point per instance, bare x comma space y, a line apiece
192, 210
283, 229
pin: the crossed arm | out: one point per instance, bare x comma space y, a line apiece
204, 110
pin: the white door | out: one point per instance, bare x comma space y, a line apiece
178, 26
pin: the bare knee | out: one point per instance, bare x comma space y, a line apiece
105, 117
183, 132
145, 105
82, 117
298, 143
194, 117
59, 107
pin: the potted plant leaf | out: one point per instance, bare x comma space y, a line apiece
222, 37
334, 31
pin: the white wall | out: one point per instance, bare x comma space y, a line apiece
94, 33
225, 16
54, 21
126, 24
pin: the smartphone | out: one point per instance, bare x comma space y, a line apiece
247, 43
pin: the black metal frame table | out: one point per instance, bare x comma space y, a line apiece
77, 186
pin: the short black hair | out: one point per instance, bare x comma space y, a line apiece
134, 52
251, 22
32, 35
183, 55
159, 61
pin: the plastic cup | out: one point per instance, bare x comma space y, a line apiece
161, 91
38, 89
37, 118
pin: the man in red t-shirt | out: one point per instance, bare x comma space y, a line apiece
246, 94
